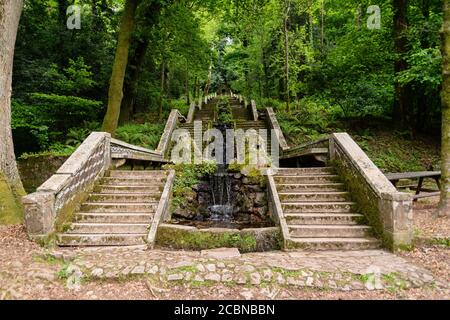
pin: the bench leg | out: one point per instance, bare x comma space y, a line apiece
438, 183
419, 188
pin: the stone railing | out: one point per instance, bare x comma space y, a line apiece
56, 200
388, 211
317, 149
254, 110
171, 125
123, 150
191, 113
162, 212
274, 125
277, 210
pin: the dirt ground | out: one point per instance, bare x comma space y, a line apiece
24, 274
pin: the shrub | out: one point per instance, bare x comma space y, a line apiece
145, 135
187, 176
180, 105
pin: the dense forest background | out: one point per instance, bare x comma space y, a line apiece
324, 65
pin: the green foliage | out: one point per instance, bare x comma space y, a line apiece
56, 150
187, 176
309, 121
145, 135
73, 80
181, 106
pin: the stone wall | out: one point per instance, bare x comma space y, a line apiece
248, 197
34, 171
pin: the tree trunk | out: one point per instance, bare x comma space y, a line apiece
445, 180
131, 86
286, 63
11, 189
188, 94
208, 84
402, 102
115, 95
162, 93
322, 27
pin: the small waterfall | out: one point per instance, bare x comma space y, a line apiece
221, 208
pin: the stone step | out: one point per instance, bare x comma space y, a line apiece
160, 174
323, 218
107, 228
321, 244
318, 207
314, 196
98, 240
305, 171
313, 179
134, 181
125, 198
328, 231
105, 207
319, 187
113, 217
128, 189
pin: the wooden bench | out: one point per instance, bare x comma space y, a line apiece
421, 176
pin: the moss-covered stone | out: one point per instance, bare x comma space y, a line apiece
190, 238
11, 210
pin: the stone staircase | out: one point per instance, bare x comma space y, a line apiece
118, 212
319, 212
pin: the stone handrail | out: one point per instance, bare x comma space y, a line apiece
313, 147
274, 125
171, 125
56, 200
191, 113
277, 210
388, 211
123, 150
254, 110
162, 210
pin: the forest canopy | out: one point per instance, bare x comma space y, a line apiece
318, 61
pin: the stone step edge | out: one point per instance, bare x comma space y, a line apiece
328, 226
322, 215
109, 224
131, 204
312, 203
333, 240
324, 193
107, 194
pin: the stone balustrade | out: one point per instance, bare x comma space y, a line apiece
388, 211
57, 198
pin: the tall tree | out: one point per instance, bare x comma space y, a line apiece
11, 188
287, 4
115, 95
445, 194
401, 106
149, 19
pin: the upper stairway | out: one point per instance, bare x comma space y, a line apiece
319, 212
118, 212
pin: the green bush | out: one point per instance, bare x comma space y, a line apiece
181, 106
144, 135
187, 176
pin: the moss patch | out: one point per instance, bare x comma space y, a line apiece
247, 240
11, 210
